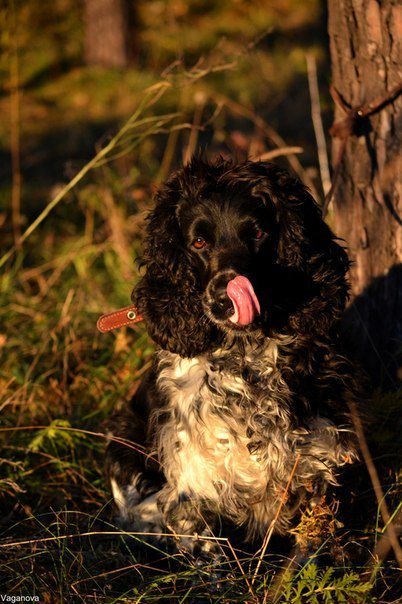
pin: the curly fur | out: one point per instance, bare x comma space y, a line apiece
227, 414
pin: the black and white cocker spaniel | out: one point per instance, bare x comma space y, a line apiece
244, 410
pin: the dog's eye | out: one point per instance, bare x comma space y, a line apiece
258, 234
199, 243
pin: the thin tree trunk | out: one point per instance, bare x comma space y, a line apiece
110, 39
366, 52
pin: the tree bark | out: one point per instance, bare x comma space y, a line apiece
366, 49
110, 39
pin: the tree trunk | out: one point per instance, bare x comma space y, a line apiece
366, 48
110, 39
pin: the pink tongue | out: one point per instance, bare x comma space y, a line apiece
245, 302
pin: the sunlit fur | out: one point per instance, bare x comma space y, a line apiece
232, 423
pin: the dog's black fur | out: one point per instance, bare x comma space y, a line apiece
228, 413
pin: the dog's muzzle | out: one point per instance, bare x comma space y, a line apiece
231, 297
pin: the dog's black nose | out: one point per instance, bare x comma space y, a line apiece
222, 298
223, 301
219, 304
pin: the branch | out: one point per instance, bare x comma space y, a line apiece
375, 481
317, 123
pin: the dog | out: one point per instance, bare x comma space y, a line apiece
243, 416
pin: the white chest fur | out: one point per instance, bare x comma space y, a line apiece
204, 445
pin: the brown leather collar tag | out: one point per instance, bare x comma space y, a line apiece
124, 316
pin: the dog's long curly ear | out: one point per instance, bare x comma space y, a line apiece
167, 295
307, 245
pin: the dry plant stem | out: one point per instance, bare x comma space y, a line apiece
171, 142
375, 481
116, 223
335, 179
317, 123
108, 573
192, 141
71, 471
278, 152
249, 585
136, 447
384, 544
15, 127
47, 284
91, 533
121, 569
271, 527
167, 156
275, 590
270, 133
33, 273
152, 94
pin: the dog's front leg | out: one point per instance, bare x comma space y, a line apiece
191, 523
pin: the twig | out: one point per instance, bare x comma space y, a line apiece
268, 155
317, 123
91, 533
249, 585
384, 544
200, 100
151, 95
375, 481
271, 527
270, 133
127, 443
335, 178
171, 142
116, 221
346, 126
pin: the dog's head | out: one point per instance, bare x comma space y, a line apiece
237, 248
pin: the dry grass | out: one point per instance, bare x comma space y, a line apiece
60, 380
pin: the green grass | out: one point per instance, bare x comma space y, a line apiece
60, 379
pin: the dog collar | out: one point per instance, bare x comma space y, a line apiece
119, 318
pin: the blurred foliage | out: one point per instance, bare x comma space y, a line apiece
67, 108
60, 379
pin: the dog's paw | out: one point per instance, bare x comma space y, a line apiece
212, 572
144, 521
